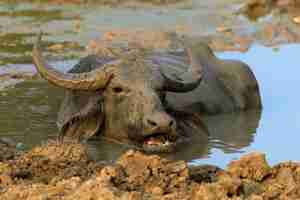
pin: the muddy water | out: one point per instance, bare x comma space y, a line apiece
28, 110
74, 25
28, 114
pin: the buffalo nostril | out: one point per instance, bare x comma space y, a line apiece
171, 123
152, 123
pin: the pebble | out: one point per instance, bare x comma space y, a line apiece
20, 146
296, 20
56, 47
223, 29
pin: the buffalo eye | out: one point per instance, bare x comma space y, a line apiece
117, 89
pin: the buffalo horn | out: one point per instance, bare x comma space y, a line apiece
93, 80
187, 81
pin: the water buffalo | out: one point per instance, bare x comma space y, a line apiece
139, 96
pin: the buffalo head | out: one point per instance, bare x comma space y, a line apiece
132, 107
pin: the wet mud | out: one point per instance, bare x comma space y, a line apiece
65, 171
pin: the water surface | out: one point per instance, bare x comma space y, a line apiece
30, 113
277, 71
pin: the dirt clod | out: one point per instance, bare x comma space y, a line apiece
252, 166
58, 171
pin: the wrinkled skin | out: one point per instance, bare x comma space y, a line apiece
134, 109
142, 101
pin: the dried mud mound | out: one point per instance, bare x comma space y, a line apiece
64, 171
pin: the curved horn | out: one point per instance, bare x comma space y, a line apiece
188, 80
93, 80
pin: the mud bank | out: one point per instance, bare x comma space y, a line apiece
65, 171
255, 9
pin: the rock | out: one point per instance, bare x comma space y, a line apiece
77, 26
254, 9
255, 197
283, 182
4, 168
203, 192
228, 185
113, 173
136, 176
251, 188
63, 171
296, 20
204, 173
20, 146
148, 172
286, 3
223, 29
7, 141
285, 177
224, 188
252, 166
56, 47
7, 152
157, 191
258, 2
21, 174
51, 163
5, 180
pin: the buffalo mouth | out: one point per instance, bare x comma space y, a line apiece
161, 142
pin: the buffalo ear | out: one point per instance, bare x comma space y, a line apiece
81, 115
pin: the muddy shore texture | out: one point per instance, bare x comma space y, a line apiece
65, 171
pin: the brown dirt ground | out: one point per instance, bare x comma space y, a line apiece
65, 171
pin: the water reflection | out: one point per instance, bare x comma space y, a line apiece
234, 131
278, 77
227, 132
